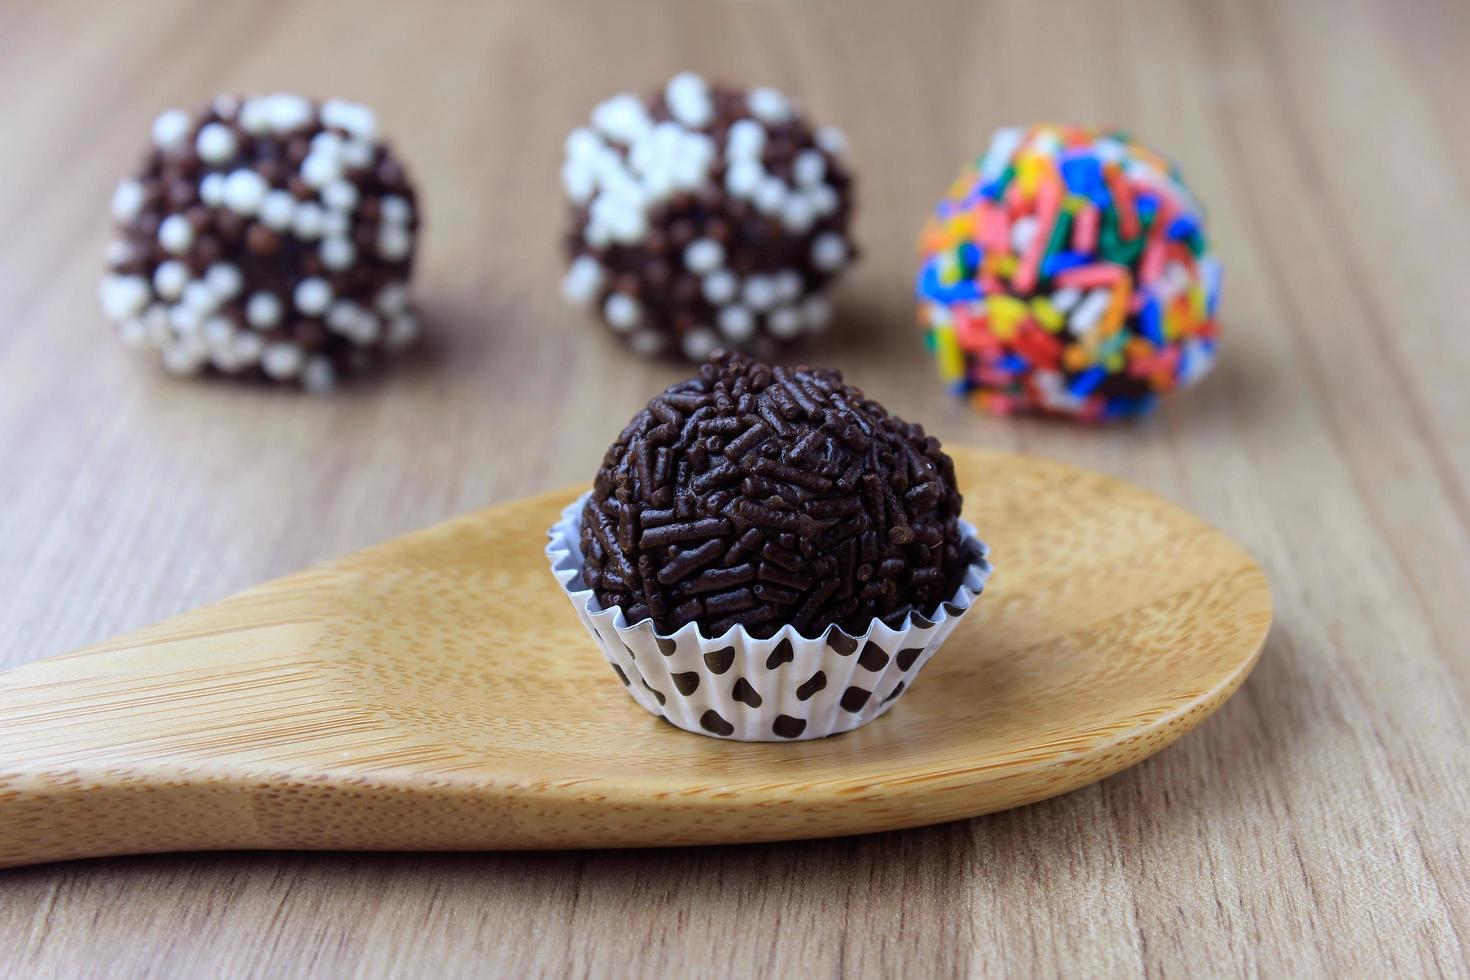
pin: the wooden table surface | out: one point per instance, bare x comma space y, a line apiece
1316, 825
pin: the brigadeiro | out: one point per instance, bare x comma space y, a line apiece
1068, 272
706, 216
768, 554
270, 237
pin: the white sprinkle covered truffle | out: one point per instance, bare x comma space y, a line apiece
269, 236
705, 216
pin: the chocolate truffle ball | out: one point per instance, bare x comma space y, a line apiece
762, 496
269, 236
705, 216
1067, 272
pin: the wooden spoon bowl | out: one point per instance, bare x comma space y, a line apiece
437, 692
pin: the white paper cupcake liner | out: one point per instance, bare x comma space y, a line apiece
783, 688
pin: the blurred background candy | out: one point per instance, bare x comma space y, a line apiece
268, 237
1067, 272
705, 216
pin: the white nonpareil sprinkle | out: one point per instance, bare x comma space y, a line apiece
810, 168
127, 201
829, 251
737, 324
622, 118
288, 112
788, 285
337, 253
313, 295
395, 242
184, 319
359, 154
248, 347
743, 177
319, 170
704, 255
395, 210
831, 140
340, 195
198, 297
689, 100
307, 221
123, 297
212, 189
117, 252
216, 143
281, 360
768, 105
175, 234
263, 311
700, 343
720, 287
351, 117
784, 323
798, 215
224, 280
171, 129
244, 190
169, 279
278, 210
770, 196
622, 312
185, 357
583, 281
759, 292
745, 140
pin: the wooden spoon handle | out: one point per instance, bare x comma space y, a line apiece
160, 740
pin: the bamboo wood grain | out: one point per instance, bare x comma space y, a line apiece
1312, 827
436, 692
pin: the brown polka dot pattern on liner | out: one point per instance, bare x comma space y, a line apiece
686, 683
813, 684
719, 661
705, 215
711, 721
894, 693
788, 727
269, 237
905, 658
782, 654
755, 496
872, 658
854, 698
745, 694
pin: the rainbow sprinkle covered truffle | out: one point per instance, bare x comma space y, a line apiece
1067, 272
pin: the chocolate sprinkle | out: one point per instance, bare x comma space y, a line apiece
825, 512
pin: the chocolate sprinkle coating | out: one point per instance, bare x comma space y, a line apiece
705, 215
762, 496
269, 237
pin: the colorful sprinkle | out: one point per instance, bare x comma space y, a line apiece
1067, 271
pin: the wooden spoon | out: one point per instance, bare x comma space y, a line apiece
437, 692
